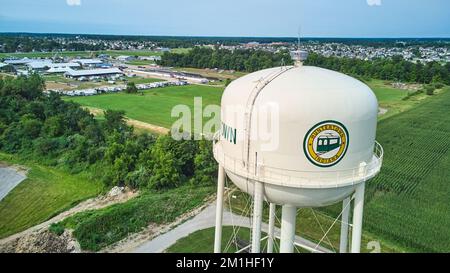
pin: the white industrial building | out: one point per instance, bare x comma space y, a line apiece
124, 58
88, 62
110, 72
48, 66
18, 61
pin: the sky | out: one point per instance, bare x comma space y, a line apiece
254, 18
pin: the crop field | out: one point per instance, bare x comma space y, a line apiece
154, 106
46, 192
408, 203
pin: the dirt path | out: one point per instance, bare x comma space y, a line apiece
90, 204
135, 123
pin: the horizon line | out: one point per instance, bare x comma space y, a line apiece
206, 36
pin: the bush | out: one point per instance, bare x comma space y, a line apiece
429, 90
57, 228
131, 88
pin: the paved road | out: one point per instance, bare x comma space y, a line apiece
203, 220
9, 179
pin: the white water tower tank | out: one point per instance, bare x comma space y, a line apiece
318, 142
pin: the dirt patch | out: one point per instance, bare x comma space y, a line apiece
42, 241
147, 126
57, 86
132, 122
382, 111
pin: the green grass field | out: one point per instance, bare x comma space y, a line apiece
46, 192
155, 105
392, 98
202, 241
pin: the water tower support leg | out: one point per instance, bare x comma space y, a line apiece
358, 218
271, 237
288, 217
257, 217
343, 248
219, 210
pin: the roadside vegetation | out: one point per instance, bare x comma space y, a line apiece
97, 229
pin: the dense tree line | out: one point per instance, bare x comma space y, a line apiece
190, 41
56, 132
396, 69
240, 60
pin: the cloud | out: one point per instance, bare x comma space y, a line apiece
77, 2
374, 2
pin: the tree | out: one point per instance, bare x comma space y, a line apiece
131, 88
115, 120
205, 164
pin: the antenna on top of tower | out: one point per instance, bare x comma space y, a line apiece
299, 56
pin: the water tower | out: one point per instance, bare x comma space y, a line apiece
321, 147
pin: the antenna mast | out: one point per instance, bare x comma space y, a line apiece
299, 55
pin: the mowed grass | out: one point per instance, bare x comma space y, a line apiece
393, 99
46, 192
155, 105
202, 241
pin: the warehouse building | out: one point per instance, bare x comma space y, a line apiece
88, 62
94, 73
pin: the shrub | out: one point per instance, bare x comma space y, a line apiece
57, 228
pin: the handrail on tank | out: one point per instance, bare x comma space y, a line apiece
286, 177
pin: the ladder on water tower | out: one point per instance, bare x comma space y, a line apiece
263, 82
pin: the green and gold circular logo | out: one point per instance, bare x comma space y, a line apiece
326, 143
